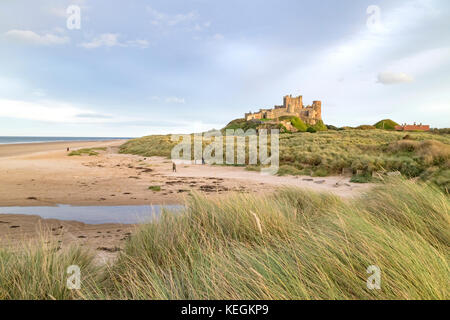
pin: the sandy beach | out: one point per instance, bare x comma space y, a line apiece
105, 240
42, 174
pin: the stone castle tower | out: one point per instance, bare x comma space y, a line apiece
292, 106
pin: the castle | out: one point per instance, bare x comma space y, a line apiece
292, 106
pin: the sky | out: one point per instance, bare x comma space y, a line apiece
133, 68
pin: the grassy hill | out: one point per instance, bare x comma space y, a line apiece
386, 124
241, 124
422, 155
296, 122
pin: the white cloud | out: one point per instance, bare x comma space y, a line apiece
93, 115
104, 40
28, 36
202, 26
164, 19
421, 62
112, 40
168, 99
388, 77
59, 12
39, 93
218, 36
175, 100
92, 123
137, 43
49, 111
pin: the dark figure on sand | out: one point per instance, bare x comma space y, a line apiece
174, 167
68, 149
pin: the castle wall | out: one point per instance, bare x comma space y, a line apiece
292, 103
317, 106
292, 106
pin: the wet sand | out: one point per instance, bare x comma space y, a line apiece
11, 150
104, 240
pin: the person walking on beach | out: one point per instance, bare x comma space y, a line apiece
174, 167
68, 149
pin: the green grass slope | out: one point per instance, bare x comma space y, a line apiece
386, 124
298, 124
423, 155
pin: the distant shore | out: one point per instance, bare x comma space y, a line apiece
18, 149
38, 139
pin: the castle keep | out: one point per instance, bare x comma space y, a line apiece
292, 106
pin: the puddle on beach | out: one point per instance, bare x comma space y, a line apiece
94, 214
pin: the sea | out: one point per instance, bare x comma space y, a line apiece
16, 140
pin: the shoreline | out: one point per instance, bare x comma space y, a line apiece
29, 148
57, 139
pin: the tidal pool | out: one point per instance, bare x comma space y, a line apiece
95, 214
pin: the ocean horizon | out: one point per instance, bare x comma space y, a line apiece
37, 139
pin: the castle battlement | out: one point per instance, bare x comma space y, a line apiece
292, 106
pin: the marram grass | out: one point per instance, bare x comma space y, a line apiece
296, 244
38, 271
415, 154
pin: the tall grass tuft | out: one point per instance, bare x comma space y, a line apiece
294, 245
38, 271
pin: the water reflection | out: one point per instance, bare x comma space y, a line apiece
94, 214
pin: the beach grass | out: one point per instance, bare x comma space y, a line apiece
38, 271
86, 151
422, 155
295, 244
